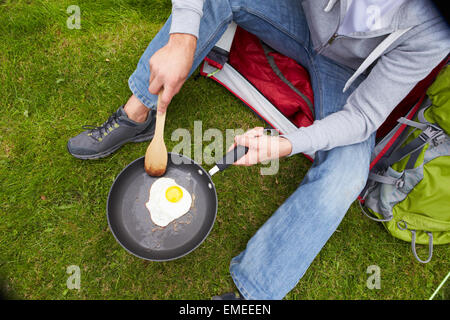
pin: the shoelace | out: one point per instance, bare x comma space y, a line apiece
99, 132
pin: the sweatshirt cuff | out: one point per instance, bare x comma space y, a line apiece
185, 21
301, 142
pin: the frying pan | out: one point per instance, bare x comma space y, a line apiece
129, 219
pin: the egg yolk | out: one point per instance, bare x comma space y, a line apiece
174, 194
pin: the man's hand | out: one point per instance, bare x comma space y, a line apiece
261, 147
170, 66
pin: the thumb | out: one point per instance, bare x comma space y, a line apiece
243, 140
164, 97
247, 141
232, 147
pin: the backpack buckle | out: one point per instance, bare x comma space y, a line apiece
440, 138
400, 183
401, 225
433, 134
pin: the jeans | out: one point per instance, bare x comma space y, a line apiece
281, 251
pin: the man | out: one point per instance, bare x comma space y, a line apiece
363, 58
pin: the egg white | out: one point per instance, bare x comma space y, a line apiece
162, 211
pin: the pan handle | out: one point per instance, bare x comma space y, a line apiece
230, 158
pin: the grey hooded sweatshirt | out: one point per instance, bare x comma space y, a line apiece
401, 53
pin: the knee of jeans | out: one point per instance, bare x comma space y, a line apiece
347, 174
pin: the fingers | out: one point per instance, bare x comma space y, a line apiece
262, 147
255, 132
158, 81
232, 147
248, 139
249, 159
242, 139
155, 85
170, 90
166, 97
169, 68
152, 77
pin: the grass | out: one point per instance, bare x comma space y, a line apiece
53, 80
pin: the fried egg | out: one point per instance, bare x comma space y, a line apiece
167, 201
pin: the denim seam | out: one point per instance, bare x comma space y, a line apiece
317, 75
206, 43
266, 19
241, 288
139, 95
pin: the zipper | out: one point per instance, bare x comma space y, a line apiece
332, 39
329, 42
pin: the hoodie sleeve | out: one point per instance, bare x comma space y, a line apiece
394, 75
186, 15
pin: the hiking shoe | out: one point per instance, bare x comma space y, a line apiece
99, 142
228, 296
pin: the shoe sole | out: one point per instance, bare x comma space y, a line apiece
110, 150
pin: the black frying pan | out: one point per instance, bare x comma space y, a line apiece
130, 222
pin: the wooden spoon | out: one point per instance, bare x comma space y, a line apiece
156, 154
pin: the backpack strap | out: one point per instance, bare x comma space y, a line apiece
419, 125
371, 217
430, 134
421, 116
403, 226
398, 182
413, 159
430, 246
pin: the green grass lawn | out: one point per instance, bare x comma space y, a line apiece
53, 80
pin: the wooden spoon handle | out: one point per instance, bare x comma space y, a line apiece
156, 155
160, 120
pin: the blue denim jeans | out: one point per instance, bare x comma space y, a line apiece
281, 251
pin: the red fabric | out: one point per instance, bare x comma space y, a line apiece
397, 133
214, 63
248, 58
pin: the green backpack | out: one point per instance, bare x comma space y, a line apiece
409, 187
